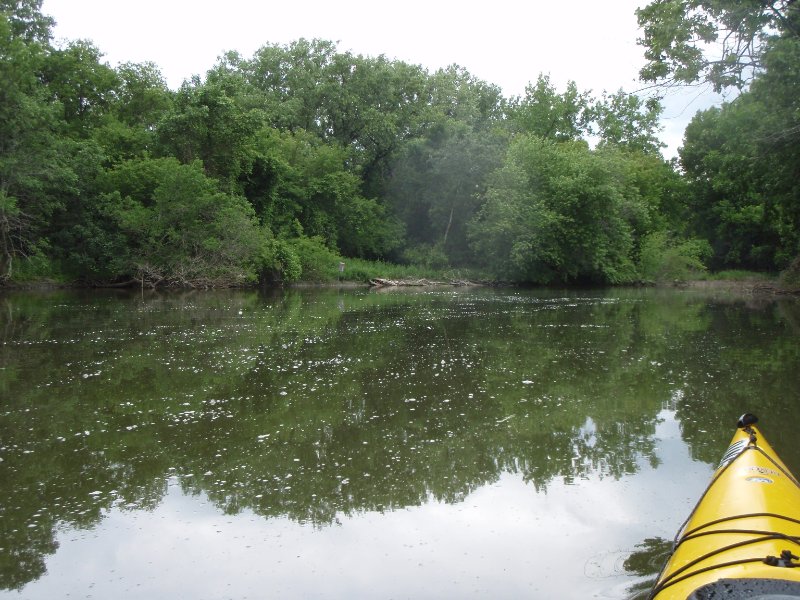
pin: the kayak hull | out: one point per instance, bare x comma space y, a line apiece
744, 530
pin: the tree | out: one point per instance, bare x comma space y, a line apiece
26, 21
143, 96
209, 124
778, 142
721, 42
555, 212
458, 95
437, 186
300, 185
740, 162
438, 176
625, 120
545, 113
83, 85
32, 170
368, 105
185, 232
140, 101
292, 79
380, 106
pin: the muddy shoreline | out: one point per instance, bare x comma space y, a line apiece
744, 286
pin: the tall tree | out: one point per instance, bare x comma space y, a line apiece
26, 21
381, 105
31, 169
438, 177
721, 42
623, 119
458, 95
85, 86
545, 113
141, 100
209, 124
778, 141
293, 80
742, 160
143, 96
300, 185
437, 186
368, 105
556, 212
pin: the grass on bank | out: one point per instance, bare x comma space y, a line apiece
362, 271
737, 275
309, 260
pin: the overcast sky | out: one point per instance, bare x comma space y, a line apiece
504, 42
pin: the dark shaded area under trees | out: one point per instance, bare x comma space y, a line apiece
300, 155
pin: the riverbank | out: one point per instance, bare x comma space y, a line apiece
751, 285
741, 286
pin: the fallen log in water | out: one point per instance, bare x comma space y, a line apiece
380, 282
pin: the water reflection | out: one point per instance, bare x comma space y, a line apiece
328, 417
646, 561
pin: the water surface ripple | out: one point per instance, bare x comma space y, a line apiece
348, 443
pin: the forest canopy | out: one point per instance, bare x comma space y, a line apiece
270, 165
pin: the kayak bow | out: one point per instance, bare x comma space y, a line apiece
742, 540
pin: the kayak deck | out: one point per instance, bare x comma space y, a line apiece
745, 528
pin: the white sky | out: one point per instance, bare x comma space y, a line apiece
504, 42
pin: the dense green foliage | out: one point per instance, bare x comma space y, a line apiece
275, 167
720, 41
741, 160
555, 211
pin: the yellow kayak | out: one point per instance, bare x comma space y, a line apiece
742, 540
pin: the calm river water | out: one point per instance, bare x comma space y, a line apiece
358, 444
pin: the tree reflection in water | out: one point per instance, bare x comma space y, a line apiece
319, 404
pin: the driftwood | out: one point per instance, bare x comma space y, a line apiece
767, 288
380, 282
120, 284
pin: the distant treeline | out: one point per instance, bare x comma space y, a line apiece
270, 166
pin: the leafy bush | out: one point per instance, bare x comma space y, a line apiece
35, 266
317, 261
430, 256
279, 262
182, 230
557, 212
665, 259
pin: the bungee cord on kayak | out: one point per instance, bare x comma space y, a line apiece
697, 562
769, 560
735, 451
747, 516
